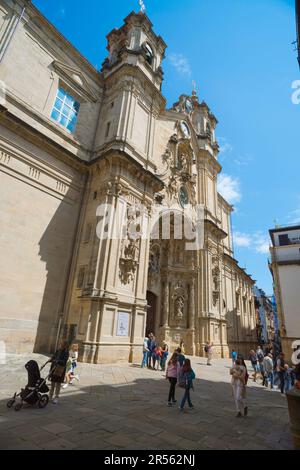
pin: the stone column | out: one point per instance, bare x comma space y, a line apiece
166, 303
191, 321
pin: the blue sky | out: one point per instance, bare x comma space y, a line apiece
241, 56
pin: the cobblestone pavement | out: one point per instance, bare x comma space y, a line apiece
124, 407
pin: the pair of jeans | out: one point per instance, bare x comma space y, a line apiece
173, 382
281, 378
270, 379
149, 358
287, 384
163, 361
145, 359
186, 397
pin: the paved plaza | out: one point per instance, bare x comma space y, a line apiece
121, 407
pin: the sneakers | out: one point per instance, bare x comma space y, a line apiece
55, 401
65, 386
174, 401
169, 404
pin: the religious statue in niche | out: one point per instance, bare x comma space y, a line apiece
154, 261
173, 186
216, 276
179, 299
130, 246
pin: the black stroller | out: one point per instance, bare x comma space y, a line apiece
35, 392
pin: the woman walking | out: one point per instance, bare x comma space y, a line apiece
172, 375
239, 381
58, 371
187, 375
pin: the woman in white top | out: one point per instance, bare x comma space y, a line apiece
238, 383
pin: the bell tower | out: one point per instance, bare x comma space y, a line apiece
133, 76
137, 45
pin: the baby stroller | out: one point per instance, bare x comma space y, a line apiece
35, 392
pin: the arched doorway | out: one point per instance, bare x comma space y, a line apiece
151, 314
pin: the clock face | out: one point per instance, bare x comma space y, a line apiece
183, 197
188, 106
185, 129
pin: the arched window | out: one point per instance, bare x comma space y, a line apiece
149, 54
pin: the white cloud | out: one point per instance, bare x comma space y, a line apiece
62, 12
257, 241
262, 246
181, 64
225, 146
229, 188
294, 216
241, 239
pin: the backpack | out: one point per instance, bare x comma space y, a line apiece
206, 349
260, 357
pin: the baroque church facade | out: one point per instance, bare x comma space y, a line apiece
76, 143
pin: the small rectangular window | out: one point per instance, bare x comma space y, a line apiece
107, 129
88, 232
80, 278
65, 110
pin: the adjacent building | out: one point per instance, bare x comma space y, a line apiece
77, 145
267, 323
285, 268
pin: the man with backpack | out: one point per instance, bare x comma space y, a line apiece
260, 357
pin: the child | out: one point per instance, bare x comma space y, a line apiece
288, 378
71, 366
187, 376
234, 356
172, 375
164, 357
158, 355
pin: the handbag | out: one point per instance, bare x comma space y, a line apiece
58, 371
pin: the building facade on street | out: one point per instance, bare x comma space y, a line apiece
267, 318
285, 268
78, 146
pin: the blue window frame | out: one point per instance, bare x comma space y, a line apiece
65, 110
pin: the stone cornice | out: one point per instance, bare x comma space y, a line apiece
233, 262
122, 159
17, 125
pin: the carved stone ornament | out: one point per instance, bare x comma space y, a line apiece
216, 276
130, 246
